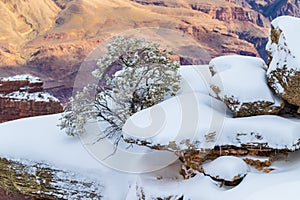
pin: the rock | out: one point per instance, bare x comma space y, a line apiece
246, 93
259, 156
198, 128
22, 96
12, 196
258, 163
19, 24
20, 82
25, 179
284, 65
272, 9
56, 45
218, 27
229, 170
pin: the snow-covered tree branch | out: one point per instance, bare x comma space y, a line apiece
145, 75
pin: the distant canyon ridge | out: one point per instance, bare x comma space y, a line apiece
51, 38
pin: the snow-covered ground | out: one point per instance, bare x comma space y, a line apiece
39, 139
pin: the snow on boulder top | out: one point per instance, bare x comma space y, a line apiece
228, 168
284, 43
186, 117
198, 120
194, 78
22, 77
37, 96
240, 81
284, 61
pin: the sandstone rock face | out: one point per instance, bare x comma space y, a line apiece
30, 180
248, 94
284, 65
23, 96
252, 155
272, 9
23, 20
13, 196
22, 82
50, 34
229, 13
55, 53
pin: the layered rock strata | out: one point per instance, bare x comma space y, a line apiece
22, 96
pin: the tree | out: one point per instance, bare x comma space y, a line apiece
78, 111
145, 75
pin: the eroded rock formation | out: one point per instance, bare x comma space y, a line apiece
23, 96
31, 180
63, 41
247, 94
284, 66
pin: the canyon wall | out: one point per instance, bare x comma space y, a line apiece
23, 96
53, 41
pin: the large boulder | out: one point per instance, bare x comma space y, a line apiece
198, 127
240, 82
284, 60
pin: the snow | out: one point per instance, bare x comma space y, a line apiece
243, 78
186, 116
22, 77
285, 53
255, 185
36, 96
261, 159
194, 115
277, 192
226, 168
39, 139
194, 78
269, 130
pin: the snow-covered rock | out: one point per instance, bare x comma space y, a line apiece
194, 78
284, 61
228, 169
24, 96
38, 180
178, 122
240, 82
198, 127
22, 77
39, 140
36, 96
201, 121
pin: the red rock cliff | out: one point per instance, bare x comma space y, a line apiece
22, 96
